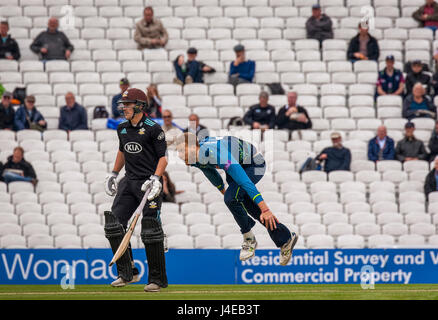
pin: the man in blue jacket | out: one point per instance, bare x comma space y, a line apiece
381, 147
336, 157
73, 115
241, 70
243, 167
28, 114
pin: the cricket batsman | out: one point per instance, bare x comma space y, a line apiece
142, 150
244, 167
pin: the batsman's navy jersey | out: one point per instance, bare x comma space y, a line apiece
232, 155
142, 146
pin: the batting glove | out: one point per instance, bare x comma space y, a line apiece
155, 185
111, 184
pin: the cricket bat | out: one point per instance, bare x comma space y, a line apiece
125, 241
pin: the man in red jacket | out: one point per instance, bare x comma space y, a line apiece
427, 15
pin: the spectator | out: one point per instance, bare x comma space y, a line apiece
123, 85
336, 157
18, 169
390, 80
293, 116
261, 115
196, 128
381, 147
8, 47
2, 90
430, 183
241, 70
52, 44
433, 143
319, 25
363, 46
427, 15
28, 117
416, 74
7, 112
149, 31
171, 131
169, 190
418, 105
191, 71
73, 115
154, 100
409, 148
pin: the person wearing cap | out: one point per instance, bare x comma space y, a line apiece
9, 48
52, 44
427, 15
150, 32
194, 71
417, 74
188, 71
381, 147
336, 157
142, 152
154, 108
319, 25
410, 148
363, 46
73, 115
292, 116
7, 112
390, 80
28, 117
123, 85
418, 104
241, 70
261, 115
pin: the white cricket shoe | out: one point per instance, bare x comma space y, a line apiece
286, 249
248, 249
152, 287
120, 282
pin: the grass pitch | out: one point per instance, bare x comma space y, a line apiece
223, 292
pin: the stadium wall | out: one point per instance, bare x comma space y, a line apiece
202, 266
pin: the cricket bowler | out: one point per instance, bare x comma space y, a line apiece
142, 150
244, 167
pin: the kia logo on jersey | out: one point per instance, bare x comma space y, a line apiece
133, 147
